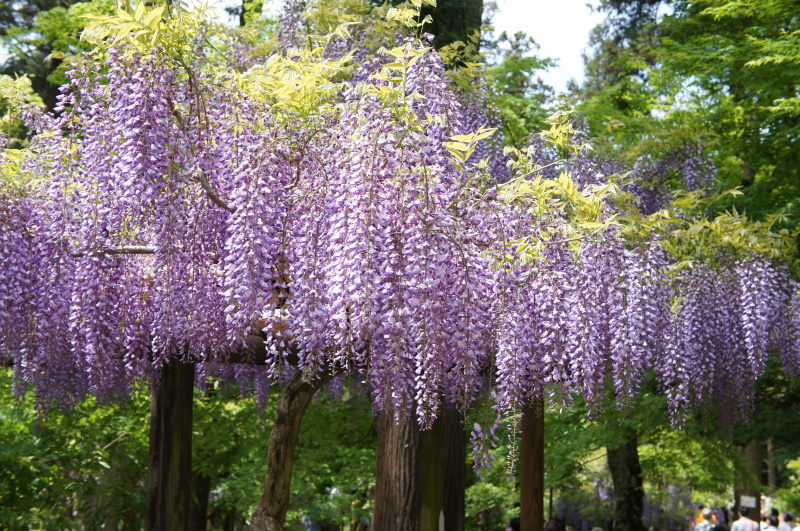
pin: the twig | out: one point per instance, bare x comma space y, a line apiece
106, 447
538, 170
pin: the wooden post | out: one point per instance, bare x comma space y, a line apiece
421, 475
432, 471
397, 493
531, 480
169, 490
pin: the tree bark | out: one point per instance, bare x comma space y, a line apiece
397, 493
432, 472
531, 473
201, 488
754, 464
772, 469
170, 466
270, 512
443, 455
420, 480
455, 469
626, 475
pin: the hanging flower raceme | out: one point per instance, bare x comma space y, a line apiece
404, 291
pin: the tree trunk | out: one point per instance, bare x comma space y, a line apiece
455, 469
626, 474
201, 488
397, 493
748, 175
270, 512
531, 473
432, 471
748, 482
772, 469
420, 480
170, 467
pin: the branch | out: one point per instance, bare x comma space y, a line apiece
538, 170
198, 173
575, 238
567, 240
106, 447
129, 249
212, 194
125, 249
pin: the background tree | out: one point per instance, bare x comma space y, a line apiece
39, 34
748, 86
716, 70
515, 90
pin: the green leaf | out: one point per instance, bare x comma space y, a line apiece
154, 17
125, 30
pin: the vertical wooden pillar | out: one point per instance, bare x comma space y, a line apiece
421, 475
397, 493
432, 471
531, 480
169, 485
455, 469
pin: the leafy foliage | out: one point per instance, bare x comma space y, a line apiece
49, 33
335, 476
515, 89
84, 467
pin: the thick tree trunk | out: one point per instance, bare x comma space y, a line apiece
421, 475
170, 468
455, 469
270, 511
531, 472
432, 471
754, 463
626, 474
454, 20
397, 492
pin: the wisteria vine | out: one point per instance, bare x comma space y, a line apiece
179, 210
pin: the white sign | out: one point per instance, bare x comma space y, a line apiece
747, 501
